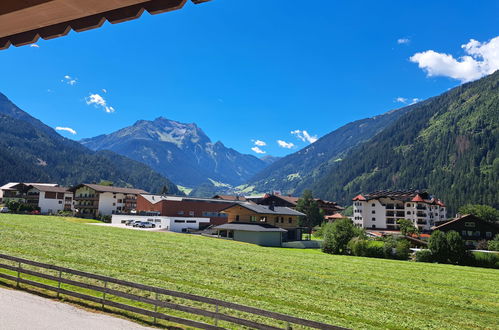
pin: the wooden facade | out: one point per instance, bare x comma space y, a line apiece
471, 228
237, 213
24, 22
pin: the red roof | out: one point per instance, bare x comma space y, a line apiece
335, 216
359, 198
417, 199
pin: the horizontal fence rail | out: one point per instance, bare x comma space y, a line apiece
105, 290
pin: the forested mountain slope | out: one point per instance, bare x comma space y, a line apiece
30, 151
447, 144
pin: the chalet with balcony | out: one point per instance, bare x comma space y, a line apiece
328, 207
471, 228
49, 198
93, 200
382, 209
277, 216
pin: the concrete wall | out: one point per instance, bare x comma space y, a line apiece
176, 224
259, 238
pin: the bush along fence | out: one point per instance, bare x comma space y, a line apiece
146, 300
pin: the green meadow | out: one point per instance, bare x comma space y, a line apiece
340, 290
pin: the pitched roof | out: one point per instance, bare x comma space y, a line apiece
24, 22
248, 226
263, 209
49, 188
460, 218
230, 197
153, 199
359, 198
335, 216
411, 195
117, 190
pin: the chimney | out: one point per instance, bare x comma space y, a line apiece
271, 206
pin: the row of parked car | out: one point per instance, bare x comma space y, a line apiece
140, 224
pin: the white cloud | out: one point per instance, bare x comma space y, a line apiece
258, 150
104, 91
34, 46
260, 143
69, 80
402, 41
67, 129
98, 100
481, 59
284, 144
304, 136
407, 101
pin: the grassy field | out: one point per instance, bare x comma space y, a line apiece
340, 290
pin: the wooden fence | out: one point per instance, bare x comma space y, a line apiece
156, 303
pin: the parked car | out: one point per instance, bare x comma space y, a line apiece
129, 222
146, 224
4, 209
135, 223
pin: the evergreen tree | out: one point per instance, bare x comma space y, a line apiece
484, 212
314, 216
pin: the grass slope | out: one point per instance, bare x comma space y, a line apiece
340, 290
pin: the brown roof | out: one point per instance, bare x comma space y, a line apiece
24, 22
118, 190
50, 188
230, 198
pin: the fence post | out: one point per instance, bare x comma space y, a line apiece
216, 316
59, 284
104, 294
156, 307
18, 273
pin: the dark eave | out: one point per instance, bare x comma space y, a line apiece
23, 22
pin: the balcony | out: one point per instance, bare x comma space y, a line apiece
88, 198
421, 207
421, 214
390, 221
390, 213
81, 206
399, 207
400, 214
421, 222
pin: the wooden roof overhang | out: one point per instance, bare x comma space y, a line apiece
23, 22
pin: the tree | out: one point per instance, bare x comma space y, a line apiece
484, 212
494, 244
314, 216
407, 227
457, 248
338, 234
438, 246
164, 190
403, 249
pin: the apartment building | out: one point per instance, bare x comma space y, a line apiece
93, 200
382, 209
50, 198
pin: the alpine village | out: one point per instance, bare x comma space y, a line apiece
387, 221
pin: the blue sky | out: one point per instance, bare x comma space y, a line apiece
248, 71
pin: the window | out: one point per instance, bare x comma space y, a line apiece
477, 233
463, 233
114, 204
263, 219
180, 212
237, 217
179, 221
191, 213
470, 233
373, 205
191, 221
60, 202
373, 219
469, 224
60, 195
50, 195
373, 226
373, 212
253, 218
290, 220
408, 212
120, 201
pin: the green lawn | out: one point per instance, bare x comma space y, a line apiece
340, 290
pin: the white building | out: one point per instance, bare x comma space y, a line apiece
176, 224
93, 200
382, 209
49, 197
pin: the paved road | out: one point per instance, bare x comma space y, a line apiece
22, 310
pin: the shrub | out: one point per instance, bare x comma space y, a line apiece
358, 246
338, 234
457, 253
389, 246
424, 256
403, 249
375, 249
439, 247
494, 244
486, 260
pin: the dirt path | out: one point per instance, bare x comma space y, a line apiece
22, 310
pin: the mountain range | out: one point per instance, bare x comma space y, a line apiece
31, 151
181, 152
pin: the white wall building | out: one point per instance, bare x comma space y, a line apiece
382, 209
176, 224
93, 200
